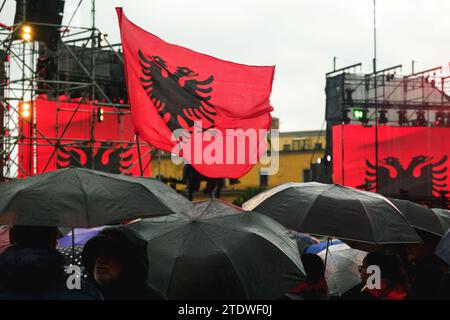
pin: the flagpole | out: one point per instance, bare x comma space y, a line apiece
139, 154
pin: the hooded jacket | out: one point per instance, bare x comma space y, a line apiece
38, 274
125, 246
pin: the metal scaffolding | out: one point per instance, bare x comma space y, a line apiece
21, 82
387, 98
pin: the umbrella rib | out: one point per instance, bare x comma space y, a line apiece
84, 196
257, 234
229, 260
140, 185
177, 256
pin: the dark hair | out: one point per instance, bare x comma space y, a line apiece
391, 268
314, 267
33, 236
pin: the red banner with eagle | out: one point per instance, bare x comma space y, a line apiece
413, 162
64, 135
213, 113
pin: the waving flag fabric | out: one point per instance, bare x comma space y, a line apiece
183, 101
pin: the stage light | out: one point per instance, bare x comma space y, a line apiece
361, 115
26, 36
25, 110
382, 118
402, 119
440, 119
100, 115
26, 29
345, 118
421, 121
358, 113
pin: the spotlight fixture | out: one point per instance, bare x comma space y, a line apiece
402, 118
100, 115
25, 110
439, 119
421, 121
382, 119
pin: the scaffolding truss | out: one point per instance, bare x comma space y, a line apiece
20, 82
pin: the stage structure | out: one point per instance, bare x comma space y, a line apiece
388, 132
63, 96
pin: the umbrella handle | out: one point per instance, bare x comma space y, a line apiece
326, 252
73, 246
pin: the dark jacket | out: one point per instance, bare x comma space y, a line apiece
426, 278
38, 274
131, 251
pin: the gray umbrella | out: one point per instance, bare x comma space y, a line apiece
76, 197
218, 251
335, 211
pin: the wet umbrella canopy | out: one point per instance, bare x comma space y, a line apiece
335, 211
341, 271
421, 217
218, 251
76, 197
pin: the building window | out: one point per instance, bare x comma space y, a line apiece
286, 147
297, 145
318, 146
301, 144
307, 177
263, 178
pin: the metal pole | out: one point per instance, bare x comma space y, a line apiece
376, 101
93, 85
139, 155
73, 246
326, 253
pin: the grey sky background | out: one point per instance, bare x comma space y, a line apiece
299, 37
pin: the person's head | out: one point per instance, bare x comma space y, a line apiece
116, 255
390, 268
33, 236
107, 270
314, 267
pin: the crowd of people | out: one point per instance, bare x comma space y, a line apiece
116, 265
407, 272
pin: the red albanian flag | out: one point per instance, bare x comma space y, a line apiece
213, 113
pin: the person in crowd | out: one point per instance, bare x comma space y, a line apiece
427, 272
315, 287
393, 284
116, 262
32, 269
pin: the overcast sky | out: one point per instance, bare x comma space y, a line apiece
300, 37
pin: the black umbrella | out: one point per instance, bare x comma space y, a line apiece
443, 216
335, 211
218, 251
421, 217
76, 197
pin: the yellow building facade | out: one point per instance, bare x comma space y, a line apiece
296, 150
